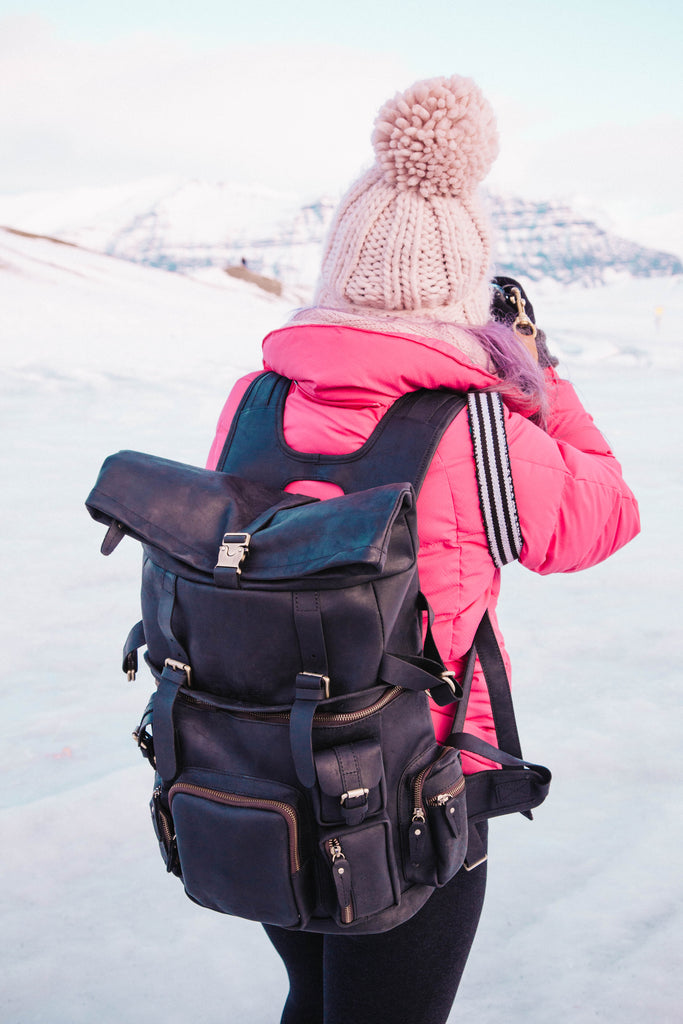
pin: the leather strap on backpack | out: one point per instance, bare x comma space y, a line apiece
312, 683
399, 449
518, 785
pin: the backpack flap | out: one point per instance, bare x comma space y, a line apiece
187, 513
345, 538
182, 510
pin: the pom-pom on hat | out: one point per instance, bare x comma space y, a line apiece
409, 238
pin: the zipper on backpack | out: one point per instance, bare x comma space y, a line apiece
257, 803
442, 798
342, 879
327, 718
162, 819
434, 801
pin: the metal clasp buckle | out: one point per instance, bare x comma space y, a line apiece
523, 326
353, 794
145, 743
233, 551
323, 683
475, 864
450, 681
180, 667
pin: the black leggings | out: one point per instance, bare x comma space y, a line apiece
409, 975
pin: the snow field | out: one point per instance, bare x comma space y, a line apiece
584, 912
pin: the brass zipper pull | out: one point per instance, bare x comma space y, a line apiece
341, 873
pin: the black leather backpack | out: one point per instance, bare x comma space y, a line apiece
297, 777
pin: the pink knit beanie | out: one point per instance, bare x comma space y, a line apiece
409, 237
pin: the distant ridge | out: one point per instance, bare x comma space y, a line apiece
33, 234
187, 226
550, 240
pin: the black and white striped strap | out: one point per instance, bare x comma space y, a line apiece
494, 477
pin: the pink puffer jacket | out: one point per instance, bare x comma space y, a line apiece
574, 507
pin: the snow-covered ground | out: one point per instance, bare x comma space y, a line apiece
584, 916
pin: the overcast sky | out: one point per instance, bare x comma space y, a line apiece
588, 94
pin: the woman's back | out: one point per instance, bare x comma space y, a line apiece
573, 506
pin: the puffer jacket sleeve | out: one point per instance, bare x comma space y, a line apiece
574, 507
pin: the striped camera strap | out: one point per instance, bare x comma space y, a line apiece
494, 476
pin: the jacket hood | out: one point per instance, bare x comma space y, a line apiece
358, 367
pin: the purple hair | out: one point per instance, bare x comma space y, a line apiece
518, 370
520, 376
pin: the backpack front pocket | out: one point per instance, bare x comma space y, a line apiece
437, 836
362, 868
240, 852
350, 783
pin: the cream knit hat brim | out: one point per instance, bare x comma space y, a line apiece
410, 236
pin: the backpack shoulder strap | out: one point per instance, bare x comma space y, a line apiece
487, 650
399, 449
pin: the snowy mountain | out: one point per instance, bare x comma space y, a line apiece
550, 240
189, 226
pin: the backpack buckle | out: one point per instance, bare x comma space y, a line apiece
312, 686
447, 691
233, 551
449, 679
180, 666
354, 794
145, 743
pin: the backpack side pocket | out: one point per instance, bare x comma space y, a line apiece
163, 828
436, 839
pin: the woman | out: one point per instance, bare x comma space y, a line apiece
403, 302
